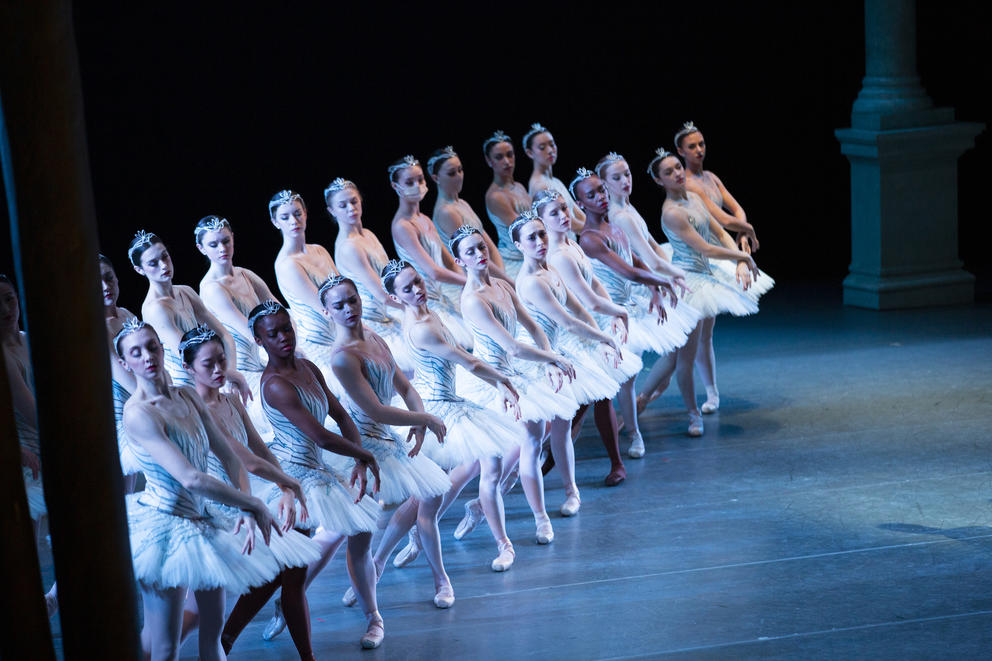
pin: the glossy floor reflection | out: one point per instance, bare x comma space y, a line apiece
839, 506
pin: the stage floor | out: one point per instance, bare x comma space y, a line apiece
837, 507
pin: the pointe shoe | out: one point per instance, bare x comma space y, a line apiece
616, 476
636, 450
545, 533
473, 516
695, 424
506, 556
410, 551
350, 598
571, 505
276, 624
445, 597
711, 404
375, 632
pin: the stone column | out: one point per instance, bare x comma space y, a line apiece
903, 153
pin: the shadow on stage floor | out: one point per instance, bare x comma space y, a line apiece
837, 507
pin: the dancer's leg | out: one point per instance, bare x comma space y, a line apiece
459, 476
363, 577
605, 418
163, 620
329, 543
245, 609
399, 525
296, 609
628, 408
191, 617
705, 359
210, 604
532, 480
430, 542
687, 386
491, 498
564, 453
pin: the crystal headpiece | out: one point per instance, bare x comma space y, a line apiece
408, 162
393, 268
202, 333
660, 154
610, 159
523, 219
338, 184
446, 153
686, 129
214, 224
269, 307
331, 282
132, 325
141, 239
283, 197
535, 128
496, 137
462, 232
543, 197
580, 175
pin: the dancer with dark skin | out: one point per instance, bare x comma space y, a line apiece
297, 400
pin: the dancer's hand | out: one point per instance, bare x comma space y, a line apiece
297, 490
619, 328
748, 241
510, 399
31, 460
657, 306
240, 384
266, 522
679, 281
360, 475
747, 272
246, 521
287, 509
611, 354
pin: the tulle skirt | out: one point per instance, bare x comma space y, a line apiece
726, 271
330, 500
538, 400
712, 296
290, 549
172, 551
474, 432
401, 476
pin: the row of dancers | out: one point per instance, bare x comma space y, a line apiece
386, 386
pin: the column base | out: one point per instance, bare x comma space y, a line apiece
950, 287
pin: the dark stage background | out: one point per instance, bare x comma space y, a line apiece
213, 109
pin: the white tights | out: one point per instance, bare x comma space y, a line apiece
163, 622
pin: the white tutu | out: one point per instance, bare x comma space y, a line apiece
473, 432
171, 551
538, 401
330, 501
402, 476
711, 296
726, 271
290, 549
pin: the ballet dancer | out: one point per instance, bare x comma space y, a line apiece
297, 401
360, 256
691, 146
366, 369
625, 277
575, 269
540, 376
418, 243
689, 227
122, 382
230, 292
541, 148
477, 438
176, 544
300, 268
506, 198
175, 309
572, 332
451, 211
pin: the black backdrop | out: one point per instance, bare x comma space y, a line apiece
213, 109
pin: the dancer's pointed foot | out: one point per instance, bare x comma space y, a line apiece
636, 450
445, 597
545, 533
695, 424
276, 624
410, 551
712, 402
617, 475
506, 556
375, 632
572, 503
473, 516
